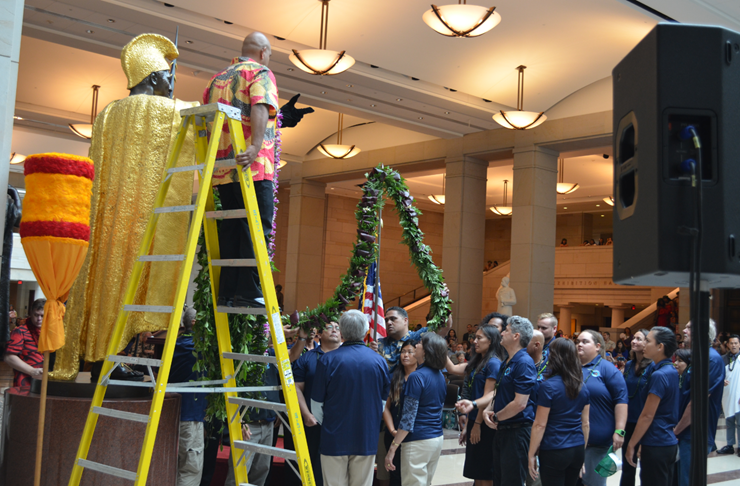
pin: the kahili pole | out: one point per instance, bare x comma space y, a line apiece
42, 416
376, 290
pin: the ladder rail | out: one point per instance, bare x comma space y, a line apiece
259, 244
119, 327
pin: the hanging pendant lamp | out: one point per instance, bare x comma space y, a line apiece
519, 119
83, 129
321, 61
16, 158
339, 151
609, 200
564, 187
461, 20
503, 210
439, 198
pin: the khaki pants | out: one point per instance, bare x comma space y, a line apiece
347, 470
190, 454
258, 465
419, 461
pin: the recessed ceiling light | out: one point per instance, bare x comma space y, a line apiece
598, 205
111, 21
350, 86
421, 118
447, 112
399, 99
602, 215
228, 23
565, 207
90, 31
188, 42
373, 106
323, 92
290, 69
18, 118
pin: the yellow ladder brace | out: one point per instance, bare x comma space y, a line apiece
206, 153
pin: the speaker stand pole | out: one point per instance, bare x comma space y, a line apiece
699, 385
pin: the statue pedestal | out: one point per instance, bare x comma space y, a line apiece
116, 442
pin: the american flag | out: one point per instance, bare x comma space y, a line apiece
369, 302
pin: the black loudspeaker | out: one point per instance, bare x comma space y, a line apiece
677, 76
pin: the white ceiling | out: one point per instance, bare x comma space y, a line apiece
568, 46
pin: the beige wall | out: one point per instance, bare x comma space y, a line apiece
498, 240
281, 244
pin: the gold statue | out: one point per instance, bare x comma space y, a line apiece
131, 140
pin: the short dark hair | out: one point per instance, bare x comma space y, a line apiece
490, 316
684, 355
435, 351
38, 305
399, 310
734, 336
667, 338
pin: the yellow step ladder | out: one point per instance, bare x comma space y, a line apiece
203, 213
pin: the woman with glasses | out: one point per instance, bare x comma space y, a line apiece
420, 428
635, 378
608, 411
481, 374
392, 412
654, 431
561, 426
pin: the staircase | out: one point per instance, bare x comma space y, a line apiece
645, 318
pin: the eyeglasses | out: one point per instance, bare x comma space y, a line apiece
408, 351
332, 327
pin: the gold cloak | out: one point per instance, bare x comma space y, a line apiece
131, 141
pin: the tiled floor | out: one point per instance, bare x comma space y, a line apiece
723, 470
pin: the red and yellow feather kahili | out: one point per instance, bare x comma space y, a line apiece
55, 230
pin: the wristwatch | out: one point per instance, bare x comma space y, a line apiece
495, 418
475, 405
619, 432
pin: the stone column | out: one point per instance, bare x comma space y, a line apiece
533, 230
305, 248
564, 322
617, 316
464, 237
11, 22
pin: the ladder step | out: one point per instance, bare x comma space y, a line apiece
258, 358
162, 258
162, 309
134, 417
175, 209
263, 449
187, 168
211, 109
110, 470
227, 214
236, 262
254, 311
224, 389
137, 361
144, 384
278, 407
225, 163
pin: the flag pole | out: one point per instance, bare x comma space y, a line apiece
376, 290
42, 417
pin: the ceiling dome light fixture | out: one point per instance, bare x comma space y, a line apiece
321, 61
339, 151
564, 187
16, 158
503, 210
439, 198
520, 120
609, 200
84, 130
461, 20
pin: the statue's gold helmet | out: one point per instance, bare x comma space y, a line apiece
146, 54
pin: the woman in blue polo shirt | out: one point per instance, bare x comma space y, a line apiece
608, 413
420, 429
481, 374
654, 430
683, 366
561, 426
634, 373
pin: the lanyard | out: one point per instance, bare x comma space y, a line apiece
680, 378
592, 370
502, 373
542, 370
731, 365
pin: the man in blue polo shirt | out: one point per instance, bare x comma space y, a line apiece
716, 387
547, 324
397, 327
348, 397
513, 409
304, 371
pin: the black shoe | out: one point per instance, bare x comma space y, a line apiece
728, 449
258, 302
223, 301
121, 372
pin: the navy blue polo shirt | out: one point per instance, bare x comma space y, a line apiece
428, 386
684, 388
564, 427
476, 382
635, 384
607, 389
390, 348
304, 369
663, 383
716, 388
352, 383
192, 405
517, 375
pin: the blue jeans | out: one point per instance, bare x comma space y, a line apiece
684, 460
593, 456
733, 424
